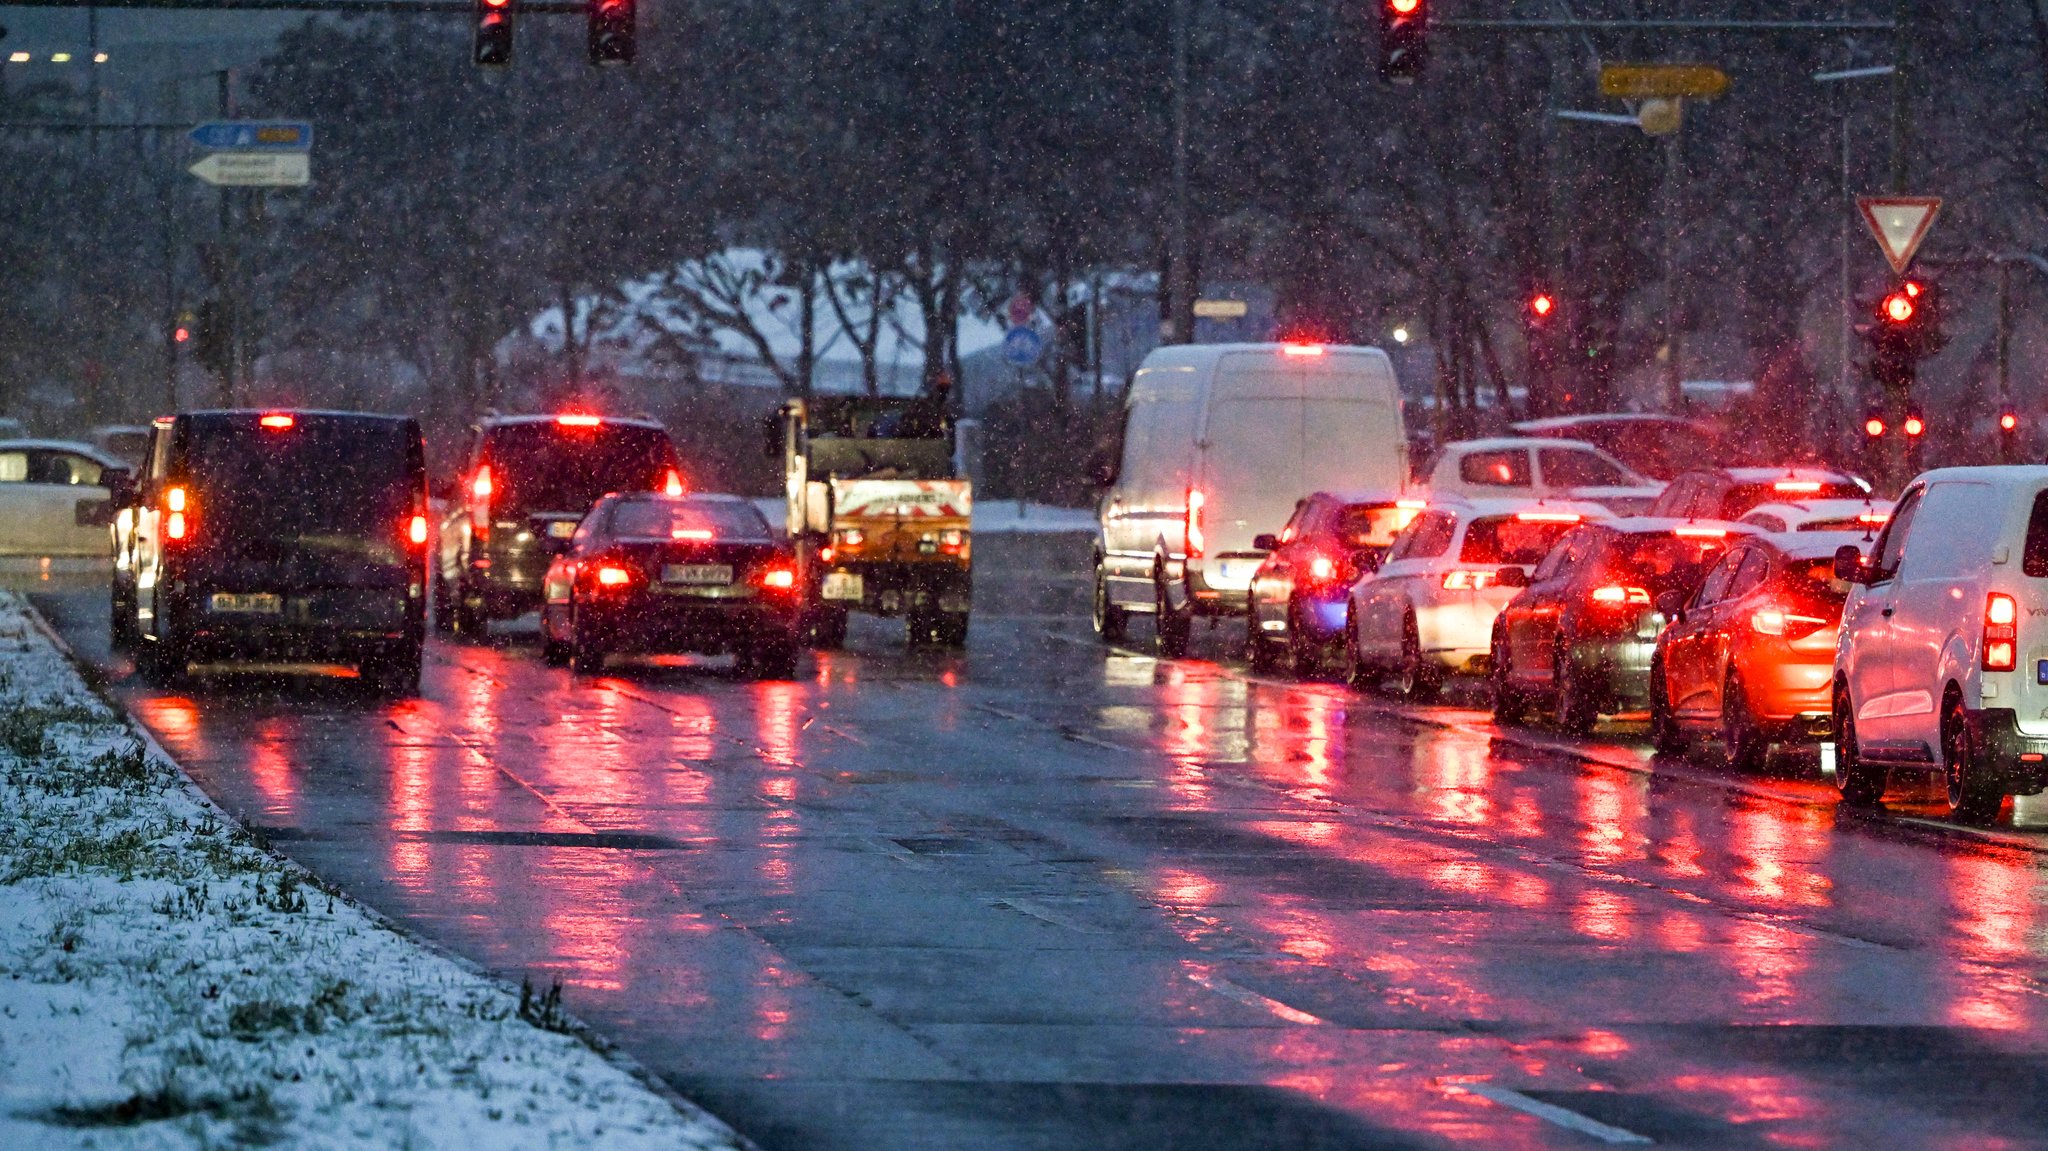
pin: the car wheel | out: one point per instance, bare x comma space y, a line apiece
1971, 797
1357, 672
951, 629
1172, 627
162, 662
444, 611
468, 617
1574, 705
1744, 746
393, 673
1303, 649
586, 651
771, 659
122, 633
1665, 733
1417, 678
1510, 706
1861, 783
1262, 653
1110, 620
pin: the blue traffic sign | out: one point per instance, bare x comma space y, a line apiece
1021, 346
255, 135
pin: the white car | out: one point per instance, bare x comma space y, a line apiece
53, 498
1943, 658
1533, 467
1820, 516
1429, 610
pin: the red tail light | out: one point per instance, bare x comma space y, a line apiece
574, 420
177, 505
2001, 632
612, 576
1780, 622
952, 541
278, 423
1197, 541
672, 484
481, 487
1615, 595
779, 578
1321, 569
1301, 349
416, 531
693, 535
1464, 580
480, 490
1548, 517
1696, 532
1804, 487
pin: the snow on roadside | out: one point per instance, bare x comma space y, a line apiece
165, 983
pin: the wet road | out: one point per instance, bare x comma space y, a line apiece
1039, 896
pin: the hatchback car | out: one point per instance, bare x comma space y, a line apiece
654, 573
1429, 609
1298, 594
283, 535
1580, 636
1730, 493
1658, 446
56, 498
1865, 516
1539, 468
1750, 657
530, 479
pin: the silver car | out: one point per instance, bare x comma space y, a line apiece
54, 499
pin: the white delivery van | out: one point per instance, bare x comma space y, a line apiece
1219, 442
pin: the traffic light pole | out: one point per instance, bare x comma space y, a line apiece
229, 307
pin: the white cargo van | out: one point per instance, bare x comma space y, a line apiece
1219, 442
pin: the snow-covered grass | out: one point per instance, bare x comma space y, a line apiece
167, 983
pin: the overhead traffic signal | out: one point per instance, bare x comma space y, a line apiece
493, 33
1404, 39
613, 31
2008, 435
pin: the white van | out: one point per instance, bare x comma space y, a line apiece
1219, 442
1943, 658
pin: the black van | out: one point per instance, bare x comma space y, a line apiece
528, 479
296, 536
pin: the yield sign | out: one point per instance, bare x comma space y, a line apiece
1899, 223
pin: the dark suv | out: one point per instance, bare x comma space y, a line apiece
282, 535
529, 478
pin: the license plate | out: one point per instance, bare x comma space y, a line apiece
255, 603
561, 529
697, 575
842, 585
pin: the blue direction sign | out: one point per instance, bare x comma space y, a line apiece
254, 135
1022, 345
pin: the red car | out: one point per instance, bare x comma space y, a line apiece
653, 573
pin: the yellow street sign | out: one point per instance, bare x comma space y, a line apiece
1662, 81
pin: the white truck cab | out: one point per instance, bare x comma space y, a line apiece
1943, 657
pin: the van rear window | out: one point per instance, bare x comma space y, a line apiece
325, 479
545, 467
2034, 560
1507, 540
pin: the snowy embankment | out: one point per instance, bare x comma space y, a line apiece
165, 982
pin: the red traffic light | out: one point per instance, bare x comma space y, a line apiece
1540, 305
1898, 307
1404, 7
181, 334
1914, 425
1874, 428
2008, 421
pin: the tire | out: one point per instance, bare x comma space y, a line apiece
1171, 628
773, 659
1669, 738
1357, 673
951, 631
1510, 706
466, 619
921, 627
1262, 653
1417, 679
1861, 784
586, 653
1110, 620
393, 674
1972, 799
553, 652
1744, 747
1303, 652
444, 611
827, 628
161, 662
122, 632
1573, 705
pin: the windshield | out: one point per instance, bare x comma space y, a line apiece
1818, 576
687, 520
1507, 540
1664, 562
1742, 497
324, 482
545, 467
1372, 525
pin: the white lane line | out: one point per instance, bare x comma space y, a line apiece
1551, 1113
1250, 998
1040, 911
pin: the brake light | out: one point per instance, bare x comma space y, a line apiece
1548, 517
695, 535
952, 541
826, 553
609, 576
1301, 349
1875, 519
481, 487
174, 500
277, 422
176, 505
672, 485
2001, 632
1197, 540
1778, 621
778, 578
852, 538
1695, 532
575, 420
1467, 580
417, 530
1411, 505
1615, 595
1805, 487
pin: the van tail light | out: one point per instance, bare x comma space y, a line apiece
1468, 580
177, 506
1697, 532
278, 422
1548, 518
1798, 487
480, 490
1615, 595
481, 487
2001, 632
1197, 541
612, 576
578, 420
952, 541
672, 483
1780, 622
416, 531
781, 577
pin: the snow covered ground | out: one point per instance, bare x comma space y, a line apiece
166, 983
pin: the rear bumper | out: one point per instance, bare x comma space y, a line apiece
892, 588
2018, 762
1618, 668
1457, 629
339, 626
654, 626
508, 580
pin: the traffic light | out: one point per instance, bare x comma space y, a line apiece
2008, 435
612, 31
493, 33
1404, 39
1873, 426
1906, 328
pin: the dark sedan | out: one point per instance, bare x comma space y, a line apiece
648, 573
1298, 595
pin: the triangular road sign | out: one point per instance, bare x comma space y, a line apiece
1899, 223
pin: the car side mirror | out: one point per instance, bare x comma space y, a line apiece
1672, 605
1511, 576
1849, 564
121, 487
1265, 542
1366, 561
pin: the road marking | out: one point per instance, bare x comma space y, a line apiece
1250, 998
1552, 1113
1040, 911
